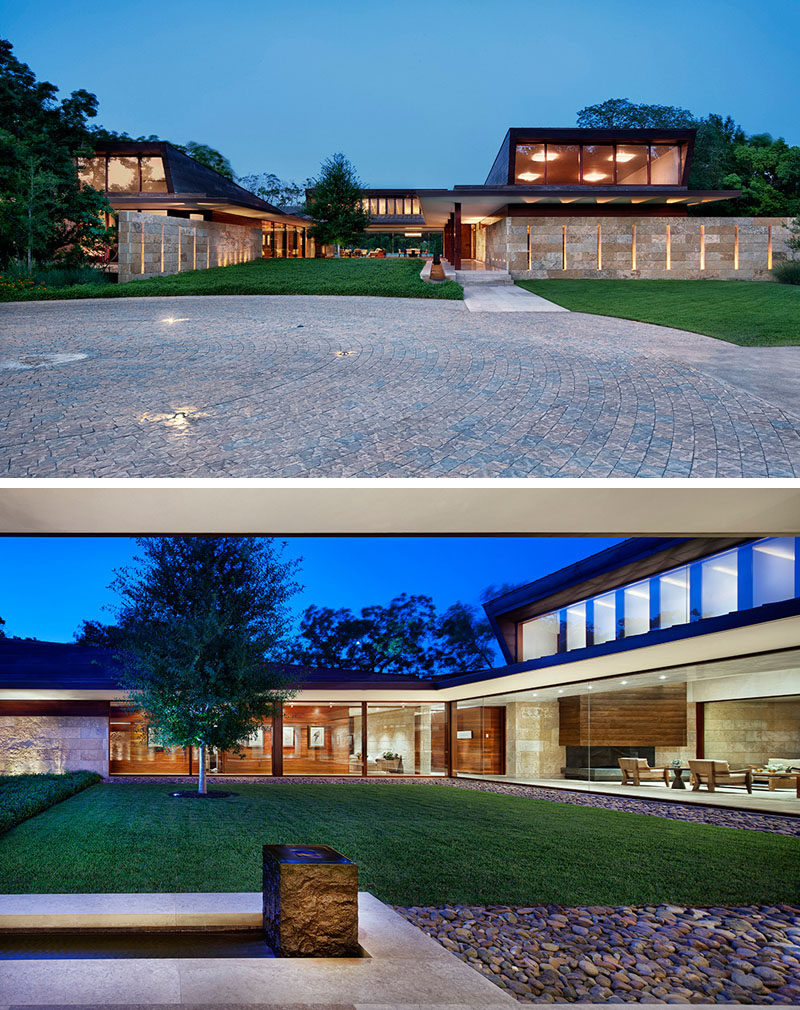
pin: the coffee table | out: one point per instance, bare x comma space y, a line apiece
772, 779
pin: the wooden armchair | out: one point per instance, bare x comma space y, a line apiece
637, 770
717, 773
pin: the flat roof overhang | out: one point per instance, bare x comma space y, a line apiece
651, 652
481, 202
196, 203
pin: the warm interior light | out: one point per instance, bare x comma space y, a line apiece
663, 676
551, 156
530, 176
594, 176
625, 157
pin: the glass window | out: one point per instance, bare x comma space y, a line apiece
153, 178
562, 164
598, 164
373, 206
92, 172
773, 571
382, 205
631, 165
322, 740
416, 206
674, 598
255, 757
540, 637
719, 585
665, 165
123, 175
605, 618
576, 626
637, 609
135, 748
530, 163
405, 740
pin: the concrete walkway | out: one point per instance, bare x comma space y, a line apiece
506, 298
404, 969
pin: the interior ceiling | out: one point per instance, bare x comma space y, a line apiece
636, 507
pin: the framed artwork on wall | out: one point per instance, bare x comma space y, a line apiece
288, 736
316, 736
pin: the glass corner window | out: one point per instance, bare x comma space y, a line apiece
637, 609
673, 591
720, 585
540, 636
773, 570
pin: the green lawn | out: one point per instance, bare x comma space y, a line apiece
754, 313
414, 845
398, 278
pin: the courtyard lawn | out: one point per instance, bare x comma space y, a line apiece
751, 313
395, 278
415, 845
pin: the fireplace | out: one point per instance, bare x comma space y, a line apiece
600, 764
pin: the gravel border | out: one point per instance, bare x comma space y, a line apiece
658, 954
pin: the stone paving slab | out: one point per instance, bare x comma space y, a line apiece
309, 386
489, 298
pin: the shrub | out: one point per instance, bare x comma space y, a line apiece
57, 275
24, 796
787, 272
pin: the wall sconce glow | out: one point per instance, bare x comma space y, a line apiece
530, 176
595, 176
625, 156
551, 156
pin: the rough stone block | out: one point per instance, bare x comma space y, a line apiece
310, 901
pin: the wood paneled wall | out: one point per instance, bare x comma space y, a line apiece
485, 752
645, 717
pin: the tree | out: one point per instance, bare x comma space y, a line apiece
205, 619
404, 637
622, 113
335, 203
269, 187
207, 156
2, 625
464, 641
45, 212
99, 635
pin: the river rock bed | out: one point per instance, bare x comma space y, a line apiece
657, 954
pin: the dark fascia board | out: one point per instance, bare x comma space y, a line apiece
706, 626
389, 192
587, 189
583, 135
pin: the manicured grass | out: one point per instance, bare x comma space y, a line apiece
24, 796
753, 313
388, 278
414, 845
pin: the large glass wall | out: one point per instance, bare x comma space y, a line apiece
322, 740
131, 173
134, 748
599, 164
749, 576
480, 738
406, 739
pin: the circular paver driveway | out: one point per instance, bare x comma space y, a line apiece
365, 387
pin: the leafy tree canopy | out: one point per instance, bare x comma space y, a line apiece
404, 637
767, 171
45, 212
2, 625
204, 620
208, 156
278, 192
335, 203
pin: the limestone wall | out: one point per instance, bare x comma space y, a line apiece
637, 247
751, 732
532, 749
48, 743
151, 245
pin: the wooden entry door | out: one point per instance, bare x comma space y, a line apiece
468, 241
481, 740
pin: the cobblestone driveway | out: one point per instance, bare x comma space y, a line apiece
260, 387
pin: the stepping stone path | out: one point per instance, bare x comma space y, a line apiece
657, 954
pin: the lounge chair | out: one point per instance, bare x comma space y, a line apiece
637, 770
717, 773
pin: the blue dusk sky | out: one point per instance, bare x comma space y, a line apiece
49, 585
417, 94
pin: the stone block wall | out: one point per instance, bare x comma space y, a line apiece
151, 245
49, 743
750, 732
532, 749
699, 247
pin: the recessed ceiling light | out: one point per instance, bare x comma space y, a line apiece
663, 676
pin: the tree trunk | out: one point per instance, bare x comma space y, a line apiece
201, 771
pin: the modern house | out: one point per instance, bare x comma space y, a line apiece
587, 203
176, 214
666, 649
